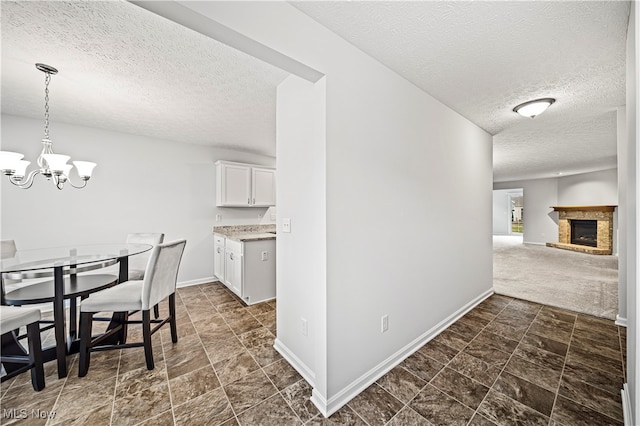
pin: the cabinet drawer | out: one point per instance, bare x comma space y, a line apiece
219, 239
232, 245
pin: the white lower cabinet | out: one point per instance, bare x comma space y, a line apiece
218, 256
247, 268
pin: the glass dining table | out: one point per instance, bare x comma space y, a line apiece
68, 266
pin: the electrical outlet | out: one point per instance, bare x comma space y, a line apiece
218, 217
286, 225
304, 326
384, 323
265, 255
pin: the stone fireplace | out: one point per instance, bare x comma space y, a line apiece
587, 229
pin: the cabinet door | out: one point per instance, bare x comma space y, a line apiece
218, 262
263, 187
228, 268
236, 284
233, 272
234, 185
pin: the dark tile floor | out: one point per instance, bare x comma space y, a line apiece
506, 362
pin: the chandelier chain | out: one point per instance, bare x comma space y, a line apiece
47, 79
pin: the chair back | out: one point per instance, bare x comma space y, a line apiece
161, 274
7, 249
139, 261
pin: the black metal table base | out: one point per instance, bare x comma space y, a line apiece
65, 344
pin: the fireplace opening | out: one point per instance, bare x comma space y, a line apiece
584, 232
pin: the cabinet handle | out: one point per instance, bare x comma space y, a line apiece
248, 200
254, 201
218, 249
231, 256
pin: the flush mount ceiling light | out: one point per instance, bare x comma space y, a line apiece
533, 108
52, 166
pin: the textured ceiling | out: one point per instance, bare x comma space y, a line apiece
483, 58
126, 69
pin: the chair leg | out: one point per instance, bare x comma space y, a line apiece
146, 338
86, 320
35, 356
172, 316
156, 311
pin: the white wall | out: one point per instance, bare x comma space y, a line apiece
501, 212
399, 153
622, 213
585, 189
301, 284
633, 296
141, 184
400, 217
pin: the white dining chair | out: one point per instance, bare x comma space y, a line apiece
138, 263
8, 249
12, 318
159, 283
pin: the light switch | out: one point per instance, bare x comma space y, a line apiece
286, 225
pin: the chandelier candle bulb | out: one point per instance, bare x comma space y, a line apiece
84, 168
9, 162
21, 169
57, 162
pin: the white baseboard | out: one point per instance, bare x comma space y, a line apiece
621, 321
319, 401
295, 362
333, 404
196, 282
626, 406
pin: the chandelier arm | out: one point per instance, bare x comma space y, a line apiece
25, 183
84, 183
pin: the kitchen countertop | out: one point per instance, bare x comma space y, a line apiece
246, 233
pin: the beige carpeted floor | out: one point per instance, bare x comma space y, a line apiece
576, 281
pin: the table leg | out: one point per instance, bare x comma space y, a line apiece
59, 320
73, 322
1, 290
73, 310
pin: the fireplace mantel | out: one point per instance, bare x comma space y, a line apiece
584, 208
602, 214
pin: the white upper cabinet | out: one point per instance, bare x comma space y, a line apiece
244, 185
263, 186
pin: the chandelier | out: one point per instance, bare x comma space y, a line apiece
52, 166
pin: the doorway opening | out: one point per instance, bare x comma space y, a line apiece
516, 202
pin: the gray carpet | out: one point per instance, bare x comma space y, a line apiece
576, 281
